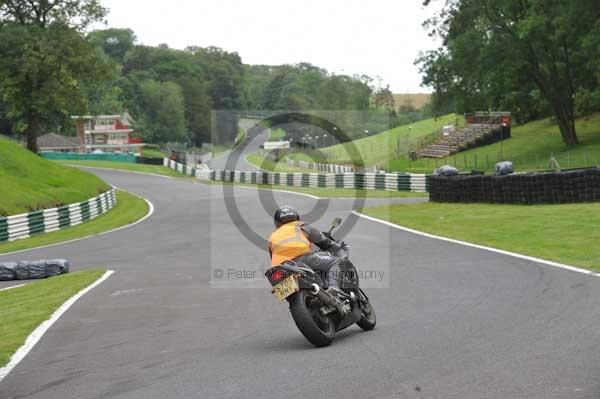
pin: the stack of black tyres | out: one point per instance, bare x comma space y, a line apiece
569, 186
149, 161
31, 270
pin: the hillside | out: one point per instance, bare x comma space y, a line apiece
529, 148
381, 147
418, 100
31, 183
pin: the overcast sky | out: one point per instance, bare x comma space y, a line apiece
377, 37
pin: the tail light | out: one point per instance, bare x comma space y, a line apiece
277, 275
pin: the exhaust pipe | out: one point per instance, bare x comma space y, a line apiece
315, 289
326, 298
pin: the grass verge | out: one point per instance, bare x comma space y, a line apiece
150, 152
277, 135
381, 147
30, 182
25, 308
529, 148
330, 192
129, 209
272, 166
135, 167
562, 233
240, 138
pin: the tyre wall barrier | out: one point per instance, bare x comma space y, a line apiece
149, 161
368, 181
23, 226
30, 270
568, 186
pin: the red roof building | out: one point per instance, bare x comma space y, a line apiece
107, 133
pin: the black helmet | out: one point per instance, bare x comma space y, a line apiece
285, 214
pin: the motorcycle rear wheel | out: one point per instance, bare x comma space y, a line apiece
318, 330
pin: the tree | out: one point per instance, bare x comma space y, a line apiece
163, 120
115, 42
43, 73
383, 98
197, 110
495, 50
77, 14
44, 60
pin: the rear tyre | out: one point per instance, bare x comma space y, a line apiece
318, 330
367, 318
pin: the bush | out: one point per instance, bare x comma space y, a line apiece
587, 101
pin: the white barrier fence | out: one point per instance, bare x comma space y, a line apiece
369, 181
320, 167
47, 220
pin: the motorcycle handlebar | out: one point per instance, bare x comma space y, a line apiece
343, 251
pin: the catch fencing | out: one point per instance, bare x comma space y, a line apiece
23, 226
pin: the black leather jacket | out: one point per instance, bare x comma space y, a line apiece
319, 239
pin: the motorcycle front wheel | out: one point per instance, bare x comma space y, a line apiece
367, 318
317, 329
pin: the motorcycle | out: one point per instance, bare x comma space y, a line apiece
319, 314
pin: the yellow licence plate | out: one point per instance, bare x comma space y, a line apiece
286, 288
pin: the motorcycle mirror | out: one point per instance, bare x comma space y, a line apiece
336, 222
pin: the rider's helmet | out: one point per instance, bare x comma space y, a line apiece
285, 214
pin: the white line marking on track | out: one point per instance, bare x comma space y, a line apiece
468, 244
39, 332
12, 286
150, 212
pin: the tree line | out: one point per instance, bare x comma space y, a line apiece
53, 67
533, 57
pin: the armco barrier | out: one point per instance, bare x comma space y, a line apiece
578, 185
24, 225
369, 181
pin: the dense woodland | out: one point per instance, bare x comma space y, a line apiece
53, 66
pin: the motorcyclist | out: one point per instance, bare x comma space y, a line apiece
292, 240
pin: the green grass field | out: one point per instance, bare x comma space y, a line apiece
529, 148
31, 183
563, 233
25, 308
330, 192
267, 164
240, 138
129, 209
152, 153
379, 148
277, 135
134, 167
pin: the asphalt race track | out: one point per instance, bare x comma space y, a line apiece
454, 322
237, 156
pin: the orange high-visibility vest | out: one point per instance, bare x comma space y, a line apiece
288, 242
